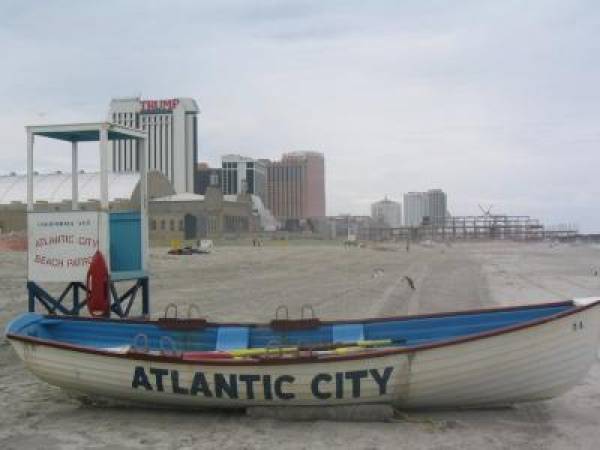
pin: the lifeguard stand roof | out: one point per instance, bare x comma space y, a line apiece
85, 132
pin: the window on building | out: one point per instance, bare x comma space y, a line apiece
212, 224
172, 225
162, 224
250, 180
153, 225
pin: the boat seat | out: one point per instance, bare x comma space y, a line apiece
348, 332
231, 338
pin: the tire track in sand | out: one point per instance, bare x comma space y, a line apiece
398, 298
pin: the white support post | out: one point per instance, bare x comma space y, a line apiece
104, 167
142, 145
29, 170
103, 215
74, 177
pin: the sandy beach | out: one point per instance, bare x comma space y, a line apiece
242, 283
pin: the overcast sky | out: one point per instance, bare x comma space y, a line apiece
495, 102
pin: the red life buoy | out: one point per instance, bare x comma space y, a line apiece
96, 282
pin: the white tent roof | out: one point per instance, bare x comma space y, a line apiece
181, 197
56, 187
190, 197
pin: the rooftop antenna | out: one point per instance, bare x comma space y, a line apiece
489, 219
486, 212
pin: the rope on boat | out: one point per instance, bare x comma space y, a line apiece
282, 308
169, 306
136, 340
172, 350
307, 307
192, 307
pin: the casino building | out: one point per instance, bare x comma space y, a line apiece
172, 127
296, 186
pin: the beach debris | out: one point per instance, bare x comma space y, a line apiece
377, 272
410, 282
203, 247
351, 243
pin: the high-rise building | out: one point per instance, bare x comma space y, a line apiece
240, 174
387, 212
172, 128
437, 202
416, 207
296, 186
430, 205
206, 176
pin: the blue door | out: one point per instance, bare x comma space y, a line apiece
125, 241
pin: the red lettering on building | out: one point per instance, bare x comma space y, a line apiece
159, 105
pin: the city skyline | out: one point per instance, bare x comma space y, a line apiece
496, 103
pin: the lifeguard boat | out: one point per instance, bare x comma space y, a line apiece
469, 358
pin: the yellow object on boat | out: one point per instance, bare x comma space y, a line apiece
350, 347
344, 350
262, 351
374, 343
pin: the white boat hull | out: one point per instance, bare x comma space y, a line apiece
530, 363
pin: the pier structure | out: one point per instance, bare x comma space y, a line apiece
469, 228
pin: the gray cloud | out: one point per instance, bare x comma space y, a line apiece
496, 102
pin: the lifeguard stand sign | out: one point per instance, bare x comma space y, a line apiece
61, 244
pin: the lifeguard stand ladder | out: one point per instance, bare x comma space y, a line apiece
61, 244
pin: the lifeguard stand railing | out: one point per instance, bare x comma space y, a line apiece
61, 244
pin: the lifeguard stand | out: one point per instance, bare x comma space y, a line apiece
61, 244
